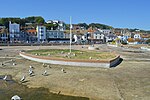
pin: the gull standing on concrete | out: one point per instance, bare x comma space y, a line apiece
15, 97
49, 66
45, 73
22, 79
5, 77
14, 64
44, 65
30, 72
31, 67
63, 70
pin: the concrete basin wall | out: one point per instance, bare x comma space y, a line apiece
104, 64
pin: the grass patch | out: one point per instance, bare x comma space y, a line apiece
76, 54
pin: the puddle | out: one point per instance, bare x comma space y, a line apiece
9, 88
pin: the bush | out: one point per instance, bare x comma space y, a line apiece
148, 41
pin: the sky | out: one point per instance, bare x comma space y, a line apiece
116, 13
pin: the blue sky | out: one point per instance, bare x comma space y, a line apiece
117, 13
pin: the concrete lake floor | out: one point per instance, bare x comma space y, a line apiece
129, 80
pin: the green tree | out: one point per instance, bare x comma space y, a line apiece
35, 19
67, 26
30, 19
51, 25
148, 41
39, 20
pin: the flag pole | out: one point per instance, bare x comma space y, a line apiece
70, 34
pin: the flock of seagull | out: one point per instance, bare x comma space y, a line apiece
23, 79
31, 72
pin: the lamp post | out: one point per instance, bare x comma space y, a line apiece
70, 34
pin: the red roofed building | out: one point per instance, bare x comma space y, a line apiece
32, 33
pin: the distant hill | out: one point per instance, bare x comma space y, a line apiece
100, 26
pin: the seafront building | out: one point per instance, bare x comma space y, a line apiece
14, 28
41, 33
54, 34
55, 31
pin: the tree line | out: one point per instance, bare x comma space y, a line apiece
22, 21
40, 20
93, 25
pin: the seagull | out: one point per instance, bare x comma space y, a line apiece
30, 72
49, 66
2, 64
5, 77
63, 70
44, 65
45, 73
22, 79
90, 57
31, 67
11, 60
16, 97
14, 64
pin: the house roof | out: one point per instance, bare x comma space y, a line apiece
145, 35
31, 31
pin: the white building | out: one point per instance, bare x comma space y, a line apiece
4, 36
110, 37
98, 35
55, 34
137, 36
66, 35
75, 38
14, 28
41, 33
105, 31
61, 24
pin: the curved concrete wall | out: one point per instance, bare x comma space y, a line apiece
72, 63
145, 48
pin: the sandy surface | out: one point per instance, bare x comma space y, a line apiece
130, 80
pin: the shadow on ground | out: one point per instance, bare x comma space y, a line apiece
119, 62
